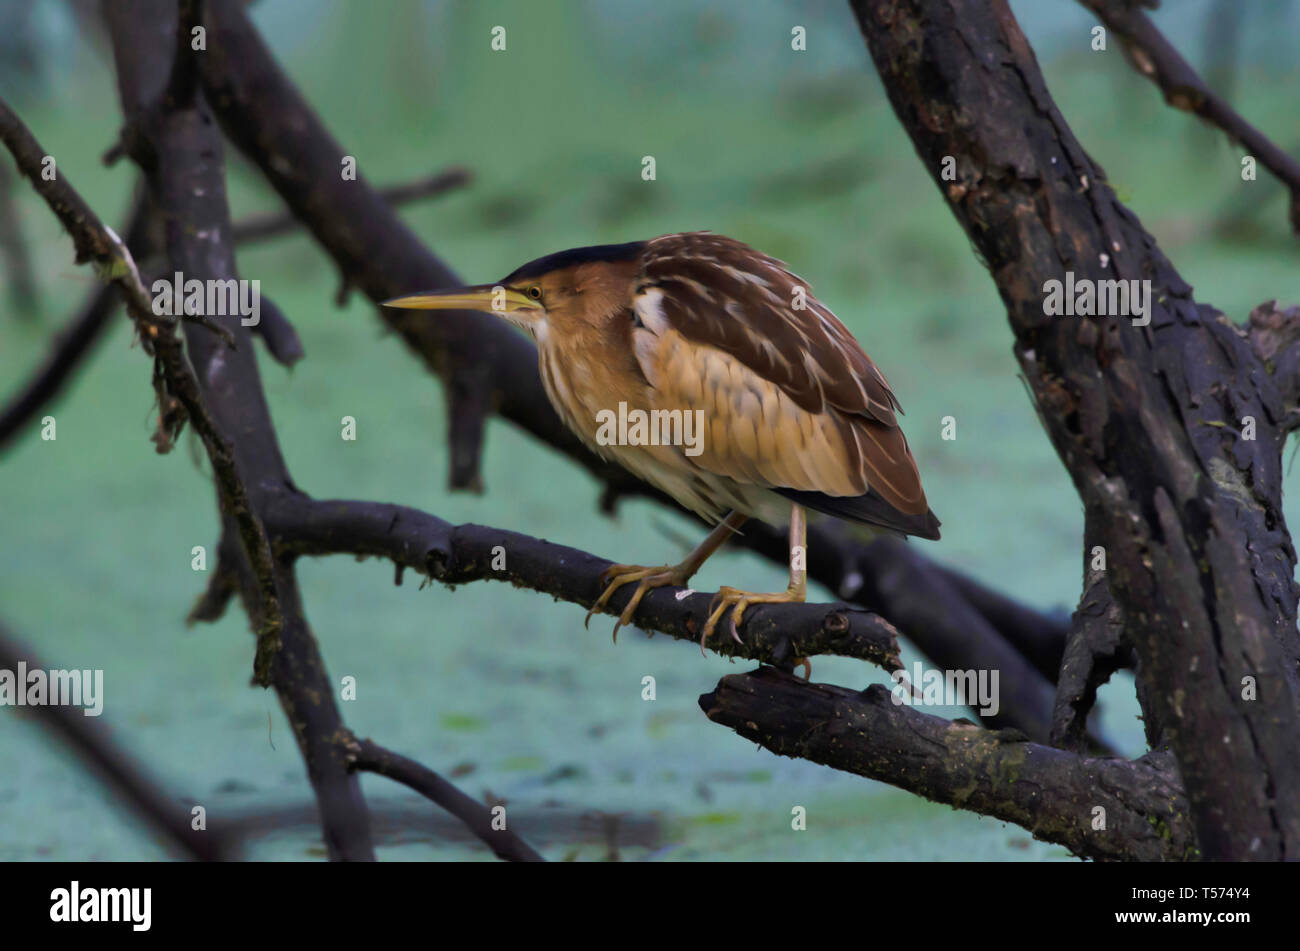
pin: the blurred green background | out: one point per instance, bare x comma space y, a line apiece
797, 153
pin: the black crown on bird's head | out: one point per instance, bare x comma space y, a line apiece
574, 256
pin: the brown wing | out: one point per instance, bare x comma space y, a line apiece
793, 401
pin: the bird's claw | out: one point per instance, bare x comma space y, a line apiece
737, 601
615, 576
730, 598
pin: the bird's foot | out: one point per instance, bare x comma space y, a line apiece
736, 601
615, 576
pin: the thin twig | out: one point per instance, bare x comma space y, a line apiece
1157, 59
75, 341
368, 756
174, 380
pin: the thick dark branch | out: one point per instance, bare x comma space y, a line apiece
274, 224
175, 140
1155, 58
265, 117
1095, 651
370, 757
178, 147
183, 81
93, 742
1058, 796
457, 554
1149, 418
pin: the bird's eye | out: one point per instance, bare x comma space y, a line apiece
534, 292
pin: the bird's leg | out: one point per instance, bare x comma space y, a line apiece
736, 601
615, 576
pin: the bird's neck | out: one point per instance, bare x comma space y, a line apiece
584, 375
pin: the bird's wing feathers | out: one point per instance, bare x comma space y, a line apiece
790, 398
750, 306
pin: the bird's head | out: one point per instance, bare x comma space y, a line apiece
563, 293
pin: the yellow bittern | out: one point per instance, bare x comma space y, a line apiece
793, 413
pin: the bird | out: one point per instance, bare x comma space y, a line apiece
709, 370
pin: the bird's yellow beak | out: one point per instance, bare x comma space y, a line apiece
492, 298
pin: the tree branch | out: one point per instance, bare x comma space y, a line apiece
374, 250
1054, 794
177, 146
75, 341
370, 757
891, 577
1094, 652
1147, 418
458, 554
1156, 58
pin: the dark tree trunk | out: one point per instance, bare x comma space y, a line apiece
1149, 420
